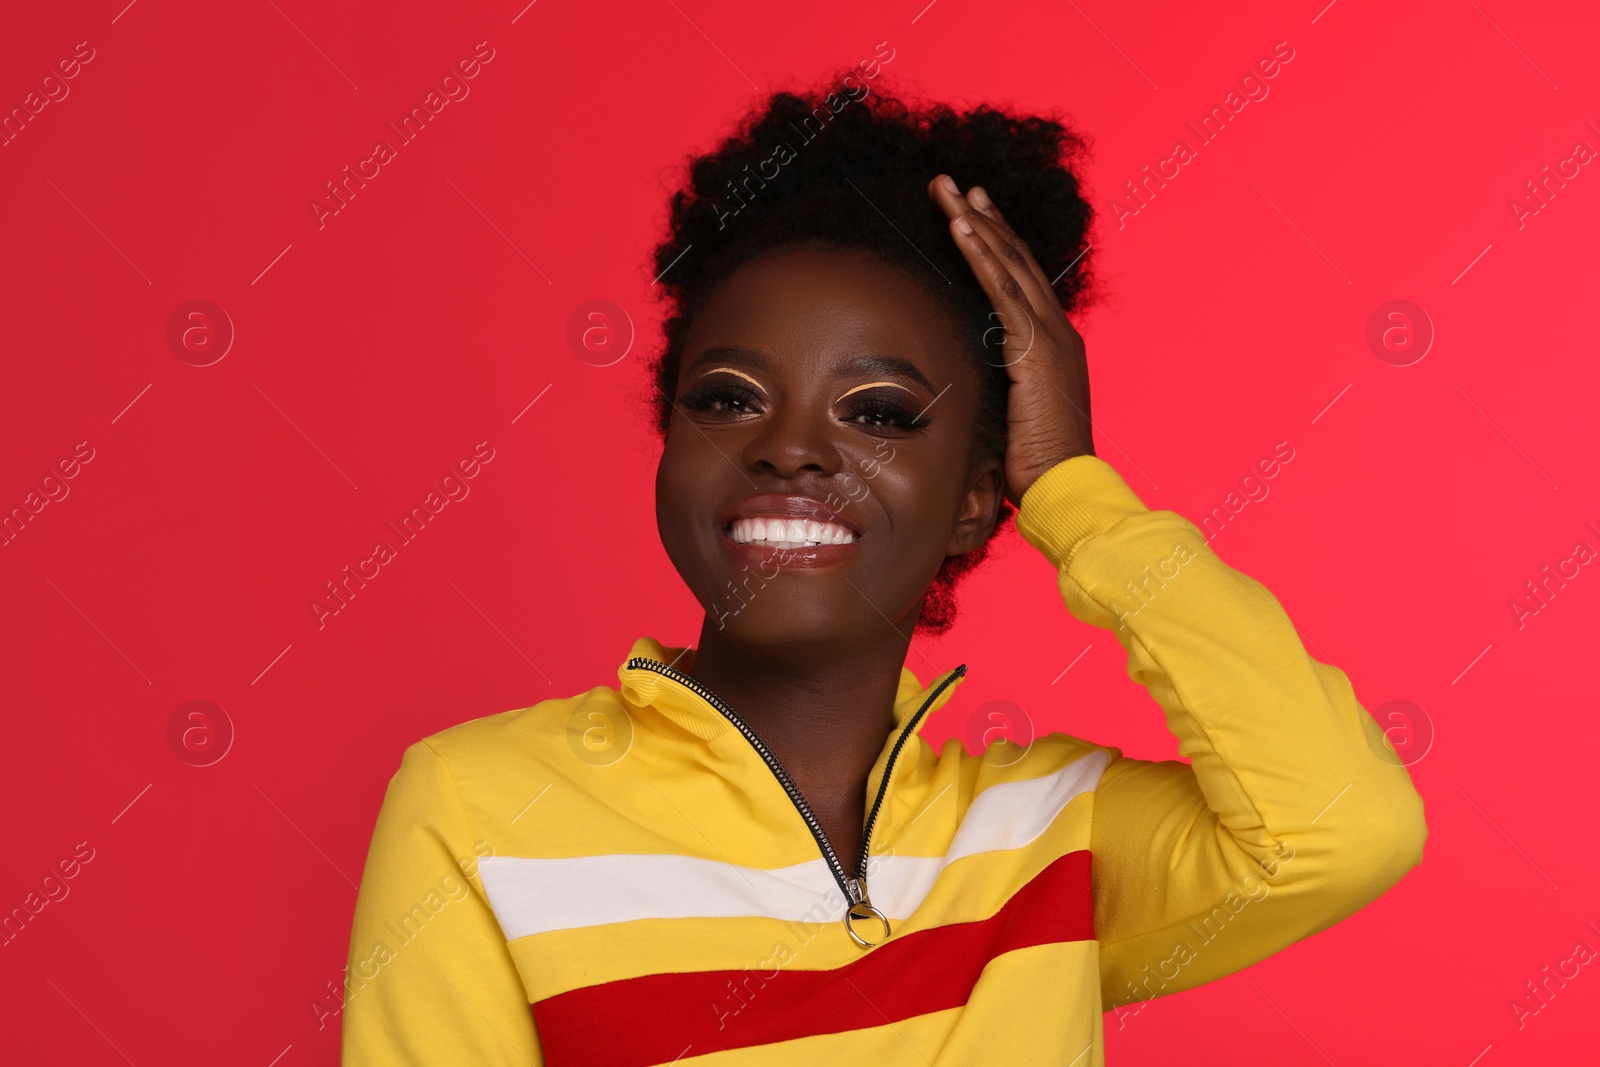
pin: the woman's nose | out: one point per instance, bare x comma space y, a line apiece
793, 439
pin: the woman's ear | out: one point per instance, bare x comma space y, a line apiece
980, 506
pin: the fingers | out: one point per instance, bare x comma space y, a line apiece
1005, 293
1001, 243
978, 197
1004, 285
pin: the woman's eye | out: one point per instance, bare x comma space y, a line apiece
884, 413
719, 398
731, 399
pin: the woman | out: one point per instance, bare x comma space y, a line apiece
743, 851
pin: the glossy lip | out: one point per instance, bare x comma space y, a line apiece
792, 506
762, 555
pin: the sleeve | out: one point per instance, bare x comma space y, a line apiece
1293, 811
430, 980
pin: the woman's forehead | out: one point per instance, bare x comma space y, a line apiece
810, 303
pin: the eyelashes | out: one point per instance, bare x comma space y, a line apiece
729, 399
709, 397
892, 414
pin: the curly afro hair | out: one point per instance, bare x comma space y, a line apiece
846, 166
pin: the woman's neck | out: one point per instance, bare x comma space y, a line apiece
825, 712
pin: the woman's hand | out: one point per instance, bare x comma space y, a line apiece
1047, 409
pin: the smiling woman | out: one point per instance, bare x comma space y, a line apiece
865, 383
752, 857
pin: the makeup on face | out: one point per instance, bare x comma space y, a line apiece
825, 408
869, 385
740, 373
872, 362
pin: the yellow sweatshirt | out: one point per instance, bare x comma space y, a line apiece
621, 877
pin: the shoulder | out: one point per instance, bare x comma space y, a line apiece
1070, 763
506, 748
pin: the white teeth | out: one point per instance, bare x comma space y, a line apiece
789, 533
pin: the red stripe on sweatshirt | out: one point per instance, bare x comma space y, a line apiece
657, 1018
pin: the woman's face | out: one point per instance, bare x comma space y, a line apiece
827, 388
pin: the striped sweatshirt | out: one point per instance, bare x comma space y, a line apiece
622, 878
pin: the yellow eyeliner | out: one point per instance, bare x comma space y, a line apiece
869, 385
740, 373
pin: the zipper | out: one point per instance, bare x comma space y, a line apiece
854, 889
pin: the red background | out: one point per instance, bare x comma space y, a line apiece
374, 352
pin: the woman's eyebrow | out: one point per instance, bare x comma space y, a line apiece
731, 370
866, 364
869, 385
729, 354
887, 366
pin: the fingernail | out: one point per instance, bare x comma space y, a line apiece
950, 184
978, 196
963, 225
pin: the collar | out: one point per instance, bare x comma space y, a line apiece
646, 687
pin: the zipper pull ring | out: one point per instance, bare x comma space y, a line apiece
861, 910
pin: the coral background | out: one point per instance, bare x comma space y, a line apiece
374, 348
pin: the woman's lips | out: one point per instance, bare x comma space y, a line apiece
764, 524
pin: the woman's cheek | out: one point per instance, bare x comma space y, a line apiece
672, 508
918, 497
685, 522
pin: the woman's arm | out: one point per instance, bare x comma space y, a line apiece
1285, 820
430, 981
